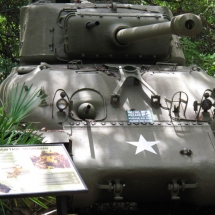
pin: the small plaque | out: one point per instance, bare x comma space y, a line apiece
37, 169
139, 116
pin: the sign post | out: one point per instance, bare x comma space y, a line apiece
61, 202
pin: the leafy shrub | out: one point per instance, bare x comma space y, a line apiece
18, 104
193, 56
5, 68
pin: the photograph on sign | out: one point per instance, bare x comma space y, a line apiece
37, 169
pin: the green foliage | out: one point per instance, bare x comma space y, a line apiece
9, 29
6, 66
19, 104
192, 55
190, 51
33, 204
9, 35
208, 63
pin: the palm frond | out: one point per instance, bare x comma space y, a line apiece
18, 105
20, 102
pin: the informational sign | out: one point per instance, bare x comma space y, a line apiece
38, 169
139, 116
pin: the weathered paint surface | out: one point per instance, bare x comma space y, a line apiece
86, 72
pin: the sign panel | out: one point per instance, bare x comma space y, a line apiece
139, 116
37, 169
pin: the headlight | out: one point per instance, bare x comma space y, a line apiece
61, 104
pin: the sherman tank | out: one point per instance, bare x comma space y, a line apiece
138, 123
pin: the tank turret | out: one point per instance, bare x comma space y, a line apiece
103, 32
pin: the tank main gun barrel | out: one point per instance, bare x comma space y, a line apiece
182, 25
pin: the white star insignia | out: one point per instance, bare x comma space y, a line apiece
142, 145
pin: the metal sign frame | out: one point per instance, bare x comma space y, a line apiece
57, 169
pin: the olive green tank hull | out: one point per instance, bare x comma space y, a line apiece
122, 160
137, 123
